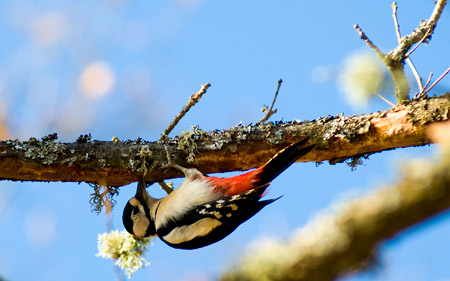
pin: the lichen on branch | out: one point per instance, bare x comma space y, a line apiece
239, 148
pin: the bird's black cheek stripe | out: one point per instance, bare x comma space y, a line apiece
151, 229
126, 218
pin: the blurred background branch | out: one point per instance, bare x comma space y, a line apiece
346, 238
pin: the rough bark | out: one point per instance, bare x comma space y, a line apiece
240, 148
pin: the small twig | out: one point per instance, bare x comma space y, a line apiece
192, 101
369, 42
384, 99
437, 81
425, 28
395, 68
429, 80
421, 94
437, 12
418, 44
415, 73
269, 112
165, 187
397, 26
399, 39
394, 59
413, 68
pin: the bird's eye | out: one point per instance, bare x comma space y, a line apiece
135, 213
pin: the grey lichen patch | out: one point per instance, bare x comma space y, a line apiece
241, 132
70, 161
47, 151
55, 150
140, 162
145, 151
272, 133
101, 163
341, 127
187, 142
217, 144
132, 164
276, 137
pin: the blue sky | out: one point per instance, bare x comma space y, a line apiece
125, 68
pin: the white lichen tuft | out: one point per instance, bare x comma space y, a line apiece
125, 249
362, 76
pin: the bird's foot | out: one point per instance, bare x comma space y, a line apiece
191, 173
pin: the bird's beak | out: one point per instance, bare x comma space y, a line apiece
141, 193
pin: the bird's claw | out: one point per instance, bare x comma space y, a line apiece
188, 172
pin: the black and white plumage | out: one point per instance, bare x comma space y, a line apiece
204, 210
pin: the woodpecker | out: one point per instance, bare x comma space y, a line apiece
203, 209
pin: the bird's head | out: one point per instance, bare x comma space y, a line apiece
136, 217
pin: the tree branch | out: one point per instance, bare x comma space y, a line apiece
240, 148
426, 28
395, 58
346, 241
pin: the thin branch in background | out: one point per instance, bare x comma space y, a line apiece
421, 94
395, 69
437, 12
429, 80
369, 42
394, 60
399, 39
418, 44
437, 81
384, 99
426, 27
415, 73
192, 101
397, 26
269, 112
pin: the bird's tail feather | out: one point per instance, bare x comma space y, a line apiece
283, 159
